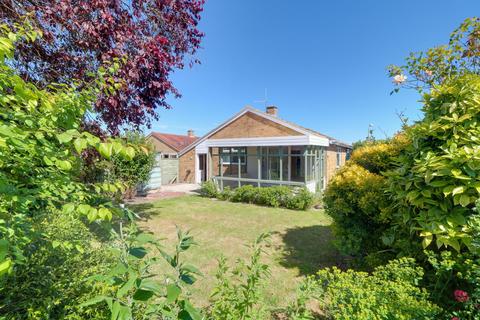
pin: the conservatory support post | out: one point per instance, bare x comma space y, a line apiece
289, 164
221, 171
239, 169
259, 165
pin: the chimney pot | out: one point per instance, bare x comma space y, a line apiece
190, 133
272, 110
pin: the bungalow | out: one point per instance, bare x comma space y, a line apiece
167, 146
258, 148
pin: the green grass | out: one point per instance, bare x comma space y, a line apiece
300, 243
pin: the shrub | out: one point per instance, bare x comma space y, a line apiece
379, 157
390, 292
301, 199
225, 194
274, 196
209, 189
355, 199
437, 183
50, 283
237, 292
246, 194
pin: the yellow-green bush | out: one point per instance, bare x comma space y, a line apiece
379, 157
356, 201
390, 292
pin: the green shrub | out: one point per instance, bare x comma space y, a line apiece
356, 201
237, 293
226, 194
390, 292
437, 183
246, 194
274, 196
209, 189
51, 284
277, 196
378, 157
301, 199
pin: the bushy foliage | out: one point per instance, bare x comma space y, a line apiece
237, 292
45, 250
437, 183
132, 172
390, 292
136, 294
54, 272
209, 189
355, 199
378, 157
277, 196
81, 36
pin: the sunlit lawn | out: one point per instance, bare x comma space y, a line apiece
300, 243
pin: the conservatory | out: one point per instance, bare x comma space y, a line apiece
268, 166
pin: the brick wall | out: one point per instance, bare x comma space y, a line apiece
252, 126
186, 167
160, 146
331, 160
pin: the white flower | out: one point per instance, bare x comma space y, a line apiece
122, 205
399, 79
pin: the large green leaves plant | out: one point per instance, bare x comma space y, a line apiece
438, 181
40, 140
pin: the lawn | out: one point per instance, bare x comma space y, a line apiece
300, 242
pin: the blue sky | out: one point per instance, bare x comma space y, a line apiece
323, 62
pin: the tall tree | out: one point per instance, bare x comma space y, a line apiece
152, 38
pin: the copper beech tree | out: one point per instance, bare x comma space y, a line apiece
151, 37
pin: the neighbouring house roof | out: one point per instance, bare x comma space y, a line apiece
174, 141
276, 119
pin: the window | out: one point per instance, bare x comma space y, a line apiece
231, 155
339, 157
348, 155
169, 156
231, 159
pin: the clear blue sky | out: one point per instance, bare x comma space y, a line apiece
323, 62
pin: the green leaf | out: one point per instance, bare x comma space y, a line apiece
194, 313
63, 165
464, 200
138, 252
142, 295
126, 287
4, 245
151, 285
5, 266
84, 209
92, 214
173, 292
426, 241
64, 137
191, 269
80, 144
68, 208
93, 301
105, 149
105, 214
456, 219
143, 238
129, 153
458, 190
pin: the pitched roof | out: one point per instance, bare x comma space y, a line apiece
175, 141
269, 117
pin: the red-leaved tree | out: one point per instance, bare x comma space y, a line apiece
151, 37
